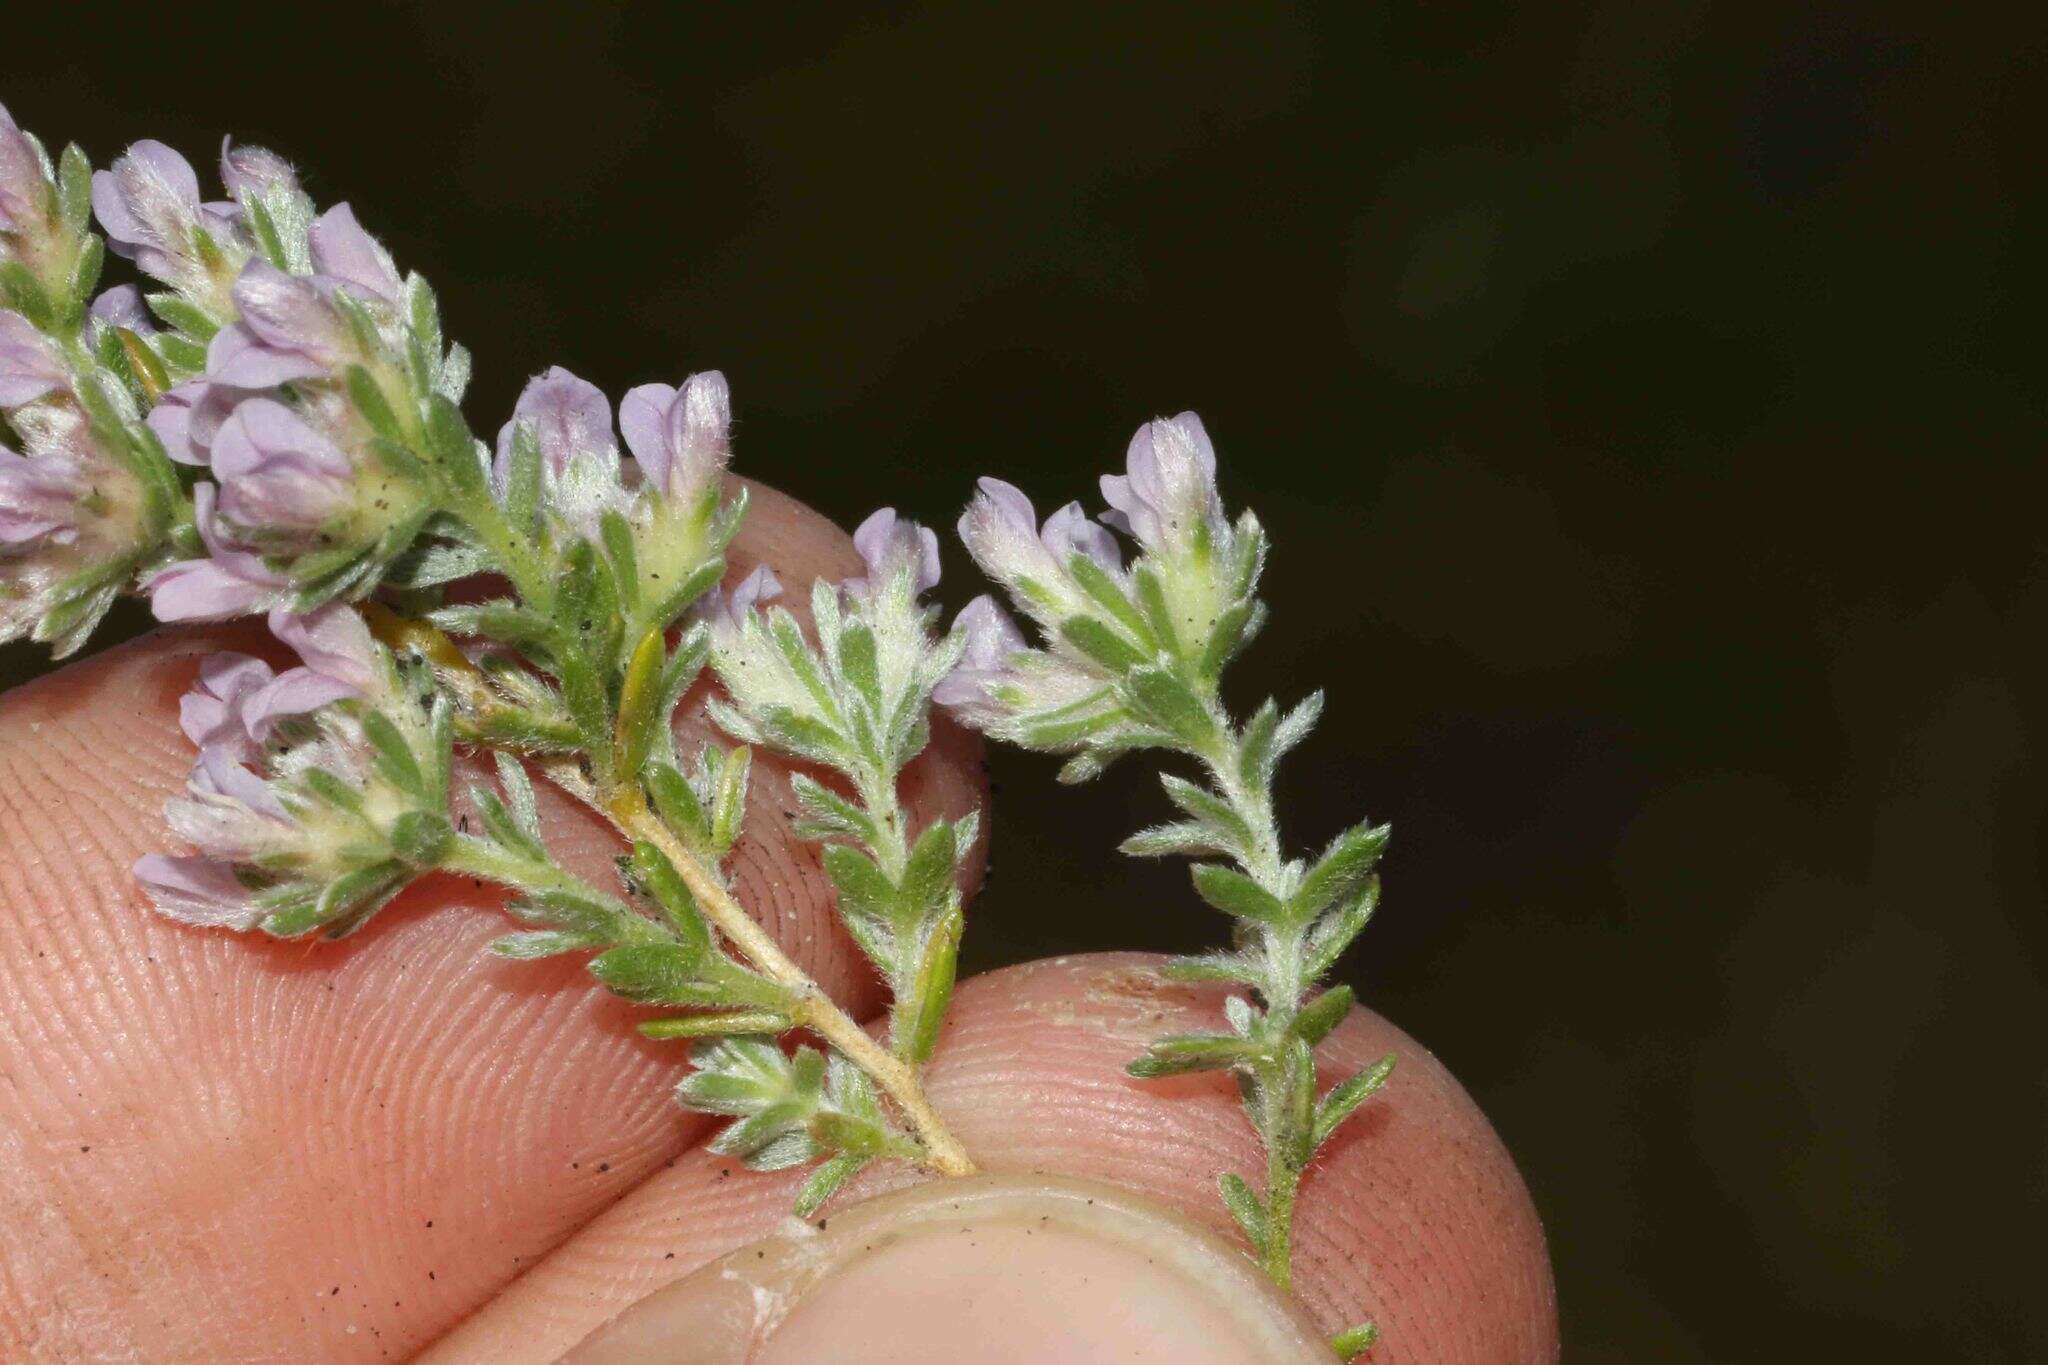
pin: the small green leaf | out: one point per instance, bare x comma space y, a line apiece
85, 275
1102, 644
1152, 598
1179, 1053
625, 564
927, 884
370, 401
518, 789
713, 1025
667, 889
1323, 1013
639, 710
392, 756
1353, 1342
522, 477
1232, 631
180, 314
1343, 867
350, 899
825, 1182
675, 801
863, 890
1207, 808
1298, 1092
1166, 700
917, 1027
421, 837
828, 813
1247, 1208
1188, 838
1108, 594
74, 190
729, 808
1334, 932
1236, 894
859, 665
537, 943
454, 449
651, 973
1215, 967
1344, 1100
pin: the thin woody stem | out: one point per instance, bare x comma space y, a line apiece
629, 813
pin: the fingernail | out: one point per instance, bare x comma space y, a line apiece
1000, 1269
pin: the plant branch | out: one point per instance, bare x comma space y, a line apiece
629, 813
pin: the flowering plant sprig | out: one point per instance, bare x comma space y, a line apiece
276, 431
1132, 657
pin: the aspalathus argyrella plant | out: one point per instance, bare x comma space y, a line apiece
271, 425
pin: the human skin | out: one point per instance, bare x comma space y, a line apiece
222, 1147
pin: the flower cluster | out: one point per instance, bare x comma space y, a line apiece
304, 374
1128, 650
318, 793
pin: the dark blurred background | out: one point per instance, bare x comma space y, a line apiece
1647, 403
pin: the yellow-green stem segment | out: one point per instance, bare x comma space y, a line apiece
628, 811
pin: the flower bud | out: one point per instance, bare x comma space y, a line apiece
891, 545
681, 437
992, 641
148, 204
1166, 499
570, 422
24, 184
30, 367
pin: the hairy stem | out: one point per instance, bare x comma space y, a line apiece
628, 811
1283, 1180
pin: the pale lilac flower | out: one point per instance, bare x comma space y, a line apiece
236, 702
337, 648
1070, 531
189, 418
345, 254
277, 473
148, 204
993, 640
38, 499
681, 437
569, 418
30, 367
571, 423
887, 543
67, 521
198, 890
1167, 496
228, 811
122, 306
230, 582
723, 611
288, 331
1001, 530
254, 171
23, 186
216, 711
